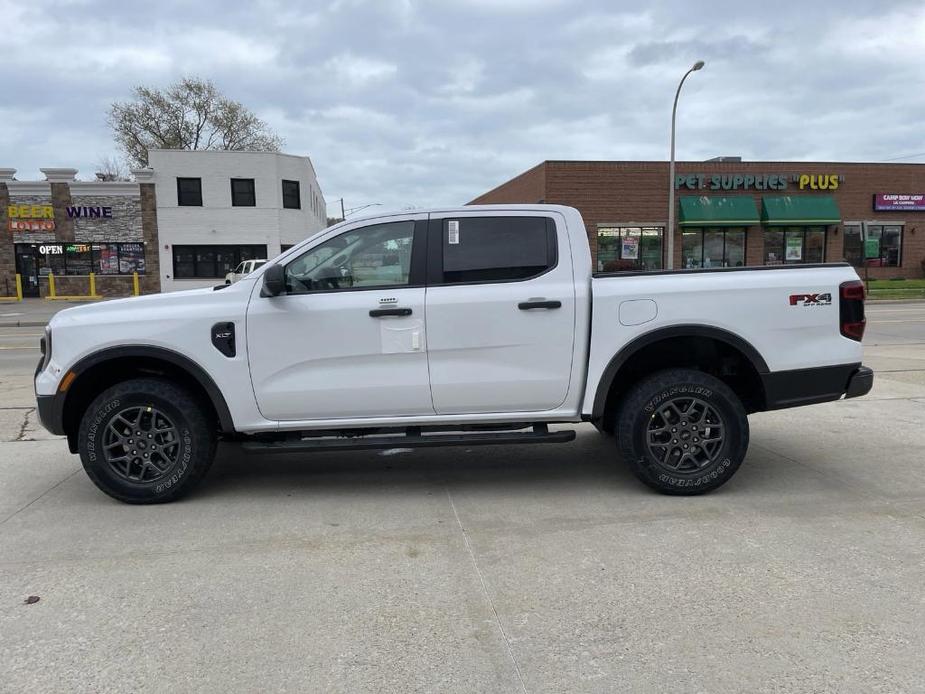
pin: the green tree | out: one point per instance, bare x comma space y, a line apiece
191, 114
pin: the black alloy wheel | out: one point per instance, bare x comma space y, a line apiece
147, 440
682, 431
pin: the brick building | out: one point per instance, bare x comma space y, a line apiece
185, 222
71, 228
732, 213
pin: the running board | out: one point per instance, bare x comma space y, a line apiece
540, 434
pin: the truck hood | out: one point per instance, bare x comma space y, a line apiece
152, 306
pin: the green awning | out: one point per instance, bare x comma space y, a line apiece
717, 211
800, 209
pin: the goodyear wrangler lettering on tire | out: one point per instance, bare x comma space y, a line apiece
671, 392
183, 465
682, 431
91, 447
146, 440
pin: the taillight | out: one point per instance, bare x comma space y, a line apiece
851, 309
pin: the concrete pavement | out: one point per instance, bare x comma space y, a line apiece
504, 569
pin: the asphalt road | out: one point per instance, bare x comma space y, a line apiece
530, 569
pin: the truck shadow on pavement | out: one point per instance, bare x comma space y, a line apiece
589, 463
589, 460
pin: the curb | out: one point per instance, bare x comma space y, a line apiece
24, 324
869, 300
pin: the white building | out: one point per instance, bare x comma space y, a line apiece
217, 208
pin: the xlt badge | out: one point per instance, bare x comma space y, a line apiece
223, 338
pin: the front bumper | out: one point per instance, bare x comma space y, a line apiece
51, 413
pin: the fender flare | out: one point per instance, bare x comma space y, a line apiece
226, 423
646, 339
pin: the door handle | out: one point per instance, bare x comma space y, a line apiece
380, 312
527, 305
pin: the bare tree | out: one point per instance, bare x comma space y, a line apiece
111, 168
191, 114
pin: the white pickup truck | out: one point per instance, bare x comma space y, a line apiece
244, 268
465, 326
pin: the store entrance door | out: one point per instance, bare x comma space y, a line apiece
28, 267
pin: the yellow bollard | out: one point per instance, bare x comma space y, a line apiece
92, 284
135, 286
51, 285
18, 296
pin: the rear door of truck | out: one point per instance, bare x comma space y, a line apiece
500, 311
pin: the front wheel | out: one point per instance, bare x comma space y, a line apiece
682, 431
146, 441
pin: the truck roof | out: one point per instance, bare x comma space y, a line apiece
506, 207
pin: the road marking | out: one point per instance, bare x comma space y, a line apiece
899, 320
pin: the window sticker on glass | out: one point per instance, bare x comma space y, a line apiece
453, 232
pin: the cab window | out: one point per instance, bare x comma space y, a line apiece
367, 257
496, 249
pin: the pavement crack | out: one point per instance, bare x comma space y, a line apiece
491, 603
47, 491
25, 423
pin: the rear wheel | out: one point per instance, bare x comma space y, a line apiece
146, 441
682, 431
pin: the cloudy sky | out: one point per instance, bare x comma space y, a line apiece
429, 102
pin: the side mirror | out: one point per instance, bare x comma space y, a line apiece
274, 281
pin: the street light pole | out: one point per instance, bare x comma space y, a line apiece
674, 112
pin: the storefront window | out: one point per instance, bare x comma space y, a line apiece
131, 258
793, 245
629, 248
712, 247
106, 258
84, 258
735, 249
50, 258
853, 250
890, 237
815, 246
77, 259
212, 262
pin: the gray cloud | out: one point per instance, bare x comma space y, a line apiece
425, 103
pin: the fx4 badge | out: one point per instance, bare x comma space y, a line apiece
810, 299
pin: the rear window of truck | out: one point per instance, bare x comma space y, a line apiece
497, 249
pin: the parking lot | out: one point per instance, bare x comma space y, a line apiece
509, 569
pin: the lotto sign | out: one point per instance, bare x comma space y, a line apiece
31, 225
30, 218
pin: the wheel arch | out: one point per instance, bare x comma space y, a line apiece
99, 370
672, 341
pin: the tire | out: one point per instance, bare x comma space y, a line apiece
173, 453
664, 433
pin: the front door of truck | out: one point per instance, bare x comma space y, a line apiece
346, 339
500, 312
